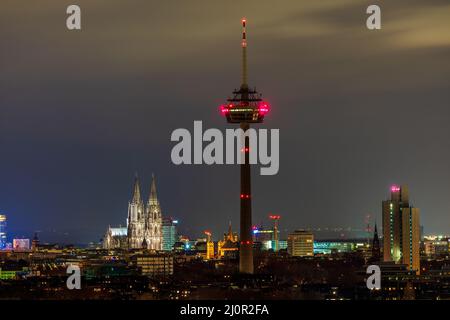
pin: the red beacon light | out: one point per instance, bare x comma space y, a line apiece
223, 109
263, 108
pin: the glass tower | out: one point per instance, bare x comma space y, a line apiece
169, 233
2, 231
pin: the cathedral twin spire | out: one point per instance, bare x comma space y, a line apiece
137, 198
144, 222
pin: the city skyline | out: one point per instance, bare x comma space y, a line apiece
338, 232
357, 111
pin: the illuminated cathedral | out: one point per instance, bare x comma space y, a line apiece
144, 223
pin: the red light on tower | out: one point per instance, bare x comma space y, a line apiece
223, 109
209, 235
263, 108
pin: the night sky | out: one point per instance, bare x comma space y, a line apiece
358, 110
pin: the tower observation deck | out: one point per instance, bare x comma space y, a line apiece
246, 105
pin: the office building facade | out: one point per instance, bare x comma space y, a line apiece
300, 243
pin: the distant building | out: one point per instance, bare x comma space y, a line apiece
154, 265
144, 223
21, 244
7, 274
169, 233
265, 239
260, 234
209, 246
35, 242
300, 243
210, 250
435, 246
272, 245
376, 251
333, 246
116, 238
2, 231
229, 246
401, 230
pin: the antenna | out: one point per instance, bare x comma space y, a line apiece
244, 84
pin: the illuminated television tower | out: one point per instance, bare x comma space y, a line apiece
275, 219
244, 108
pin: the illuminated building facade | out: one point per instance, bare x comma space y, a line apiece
35, 242
116, 238
338, 246
21, 244
2, 231
209, 246
144, 223
152, 265
228, 247
7, 274
300, 243
436, 245
261, 235
210, 250
401, 230
169, 233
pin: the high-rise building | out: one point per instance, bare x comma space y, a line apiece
169, 233
301, 244
401, 230
2, 231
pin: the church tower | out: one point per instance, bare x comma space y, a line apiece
376, 252
154, 220
136, 218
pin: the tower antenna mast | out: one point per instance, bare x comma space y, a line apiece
244, 82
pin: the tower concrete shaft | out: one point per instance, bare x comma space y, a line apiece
246, 242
